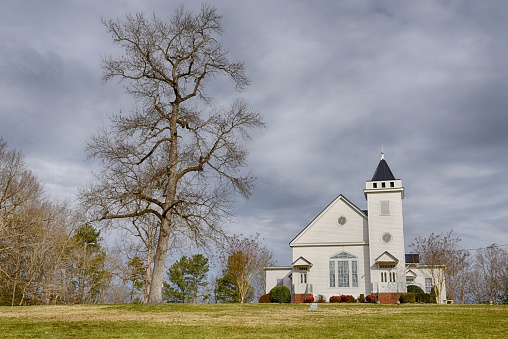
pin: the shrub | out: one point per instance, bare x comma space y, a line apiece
414, 289
347, 299
421, 298
371, 298
265, 298
407, 298
280, 294
335, 299
309, 299
361, 299
321, 298
342, 299
432, 296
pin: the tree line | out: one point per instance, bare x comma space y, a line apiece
49, 254
472, 276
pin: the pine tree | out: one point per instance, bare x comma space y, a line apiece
187, 277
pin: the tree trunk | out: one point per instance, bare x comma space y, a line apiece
159, 264
148, 275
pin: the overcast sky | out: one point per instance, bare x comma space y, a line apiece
335, 82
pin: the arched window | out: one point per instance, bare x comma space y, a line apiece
343, 269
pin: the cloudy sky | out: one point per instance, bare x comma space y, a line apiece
335, 82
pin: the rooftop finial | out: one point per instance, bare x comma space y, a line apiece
382, 153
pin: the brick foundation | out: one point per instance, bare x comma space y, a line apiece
298, 298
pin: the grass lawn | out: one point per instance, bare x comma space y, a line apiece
255, 321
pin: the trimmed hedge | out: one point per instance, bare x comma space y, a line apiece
407, 298
280, 294
414, 289
265, 298
309, 299
342, 299
371, 298
421, 296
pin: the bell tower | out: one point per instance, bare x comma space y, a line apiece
384, 194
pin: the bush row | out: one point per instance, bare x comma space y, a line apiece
409, 297
281, 294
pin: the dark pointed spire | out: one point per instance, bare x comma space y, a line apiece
383, 171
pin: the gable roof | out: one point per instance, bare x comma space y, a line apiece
383, 172
386, 257
410, 273
301, 262
340, 197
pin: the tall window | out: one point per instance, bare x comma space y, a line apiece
343, 273
303, 278
332, 273
428, 285
385, 207
343, 270
354, 273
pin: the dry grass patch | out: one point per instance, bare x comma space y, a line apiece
254, 321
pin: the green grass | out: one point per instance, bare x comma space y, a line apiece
255, 321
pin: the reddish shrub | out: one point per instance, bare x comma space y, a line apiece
265, 298
371, 298
309, 299
347, 299
335, 299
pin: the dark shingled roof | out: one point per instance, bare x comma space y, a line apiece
412, 258
383, 172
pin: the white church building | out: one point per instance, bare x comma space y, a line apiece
349, 251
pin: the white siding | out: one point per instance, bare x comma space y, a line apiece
273, 274
318, 274
324, 229
380, 224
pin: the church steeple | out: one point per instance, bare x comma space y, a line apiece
383, 171
383, 180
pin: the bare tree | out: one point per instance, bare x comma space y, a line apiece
446, 260
173, 156
244, 260
489, 275
35, 236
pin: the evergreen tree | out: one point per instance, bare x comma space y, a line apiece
137, 273
88, 269
225, 290
186, 277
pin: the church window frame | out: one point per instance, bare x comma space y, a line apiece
343, 271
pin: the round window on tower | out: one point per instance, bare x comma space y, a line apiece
386, 237
342, 220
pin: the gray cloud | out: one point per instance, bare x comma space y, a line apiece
335, 80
